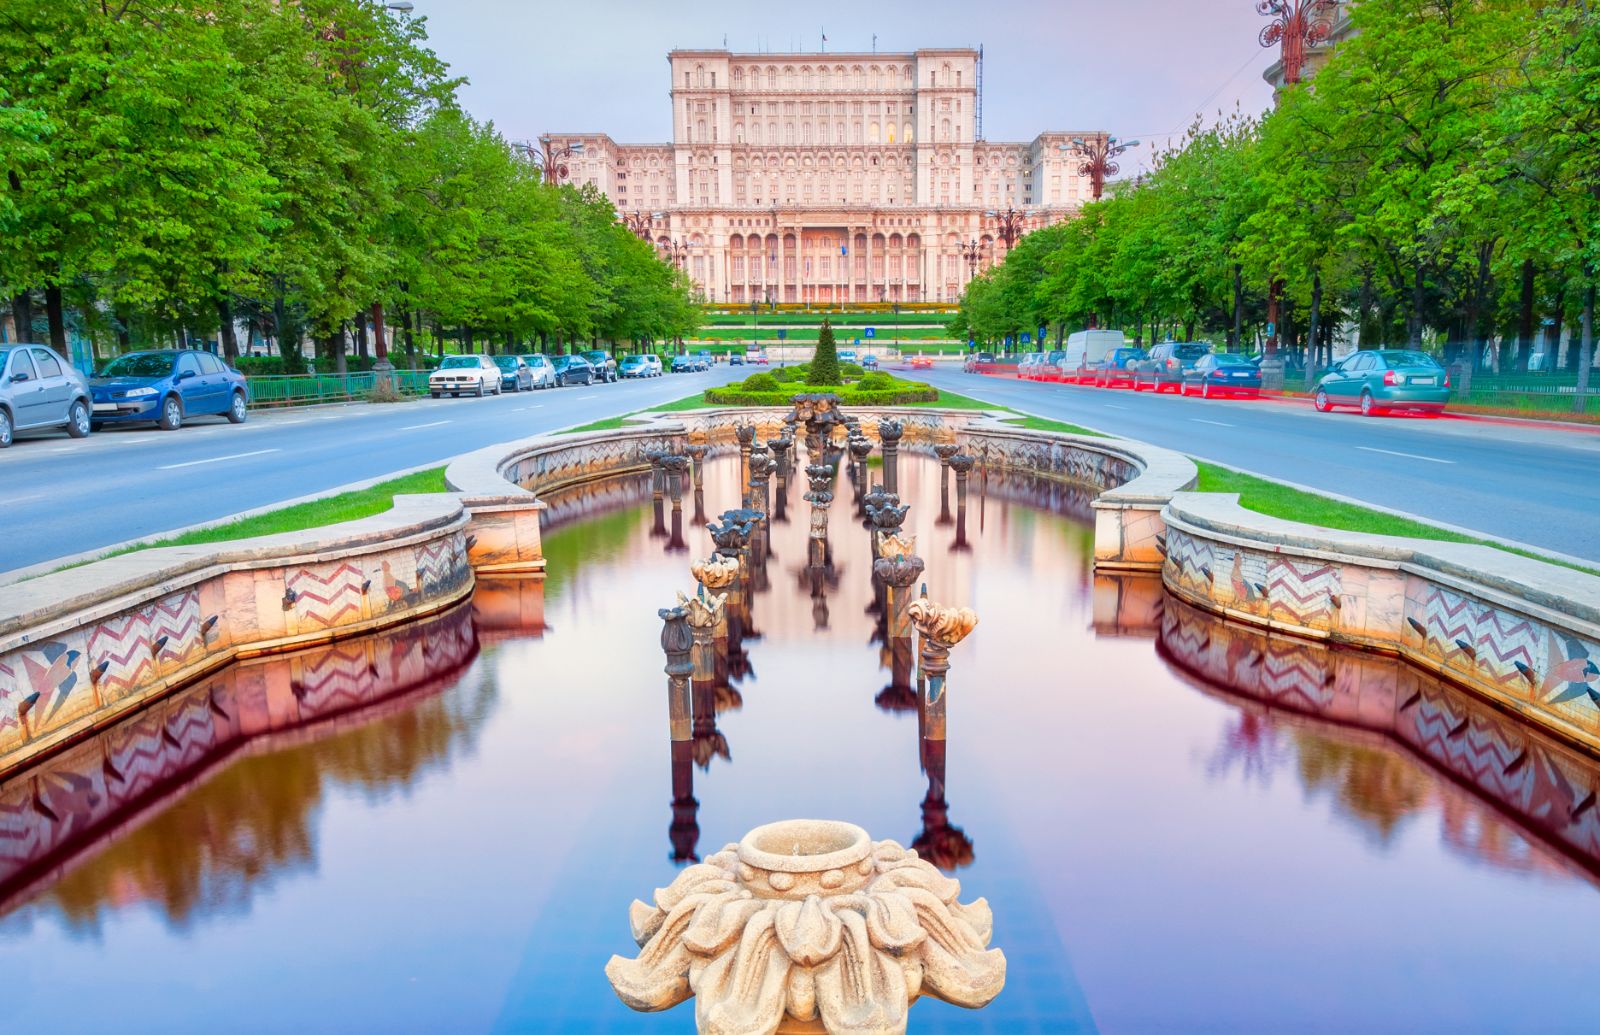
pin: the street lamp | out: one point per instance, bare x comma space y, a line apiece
1099, 158
551, 160
1296, 25
1010, 228
676, 251
971, 250
640, 223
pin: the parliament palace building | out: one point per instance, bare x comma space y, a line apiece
829, 178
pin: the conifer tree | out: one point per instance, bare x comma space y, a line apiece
825, 363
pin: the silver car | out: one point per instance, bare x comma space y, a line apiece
39, 389
544, 375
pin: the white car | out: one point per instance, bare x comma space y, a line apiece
544, 374
458, 375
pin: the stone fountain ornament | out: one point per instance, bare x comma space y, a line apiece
809, 926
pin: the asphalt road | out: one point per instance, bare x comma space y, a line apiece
1538, 485
60, 496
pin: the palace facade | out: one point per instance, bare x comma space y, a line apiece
827, 178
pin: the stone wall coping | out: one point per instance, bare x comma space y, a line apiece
480, 476
1162, 472
1562, 596
42, 607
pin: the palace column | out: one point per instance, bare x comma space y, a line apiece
867, 279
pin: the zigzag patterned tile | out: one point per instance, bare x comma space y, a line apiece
1302, 592
327, 595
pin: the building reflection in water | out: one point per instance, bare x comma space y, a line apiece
1342, 722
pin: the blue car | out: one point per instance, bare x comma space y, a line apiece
167, 387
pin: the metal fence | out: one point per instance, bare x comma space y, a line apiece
1552, 393
272, 390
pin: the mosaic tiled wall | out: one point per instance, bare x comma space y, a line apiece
65, 804
1548, 787
57, 687
1546, 670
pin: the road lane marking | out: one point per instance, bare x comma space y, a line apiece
1114, 406
535, 406
1218, 423
217, 459
581, 398
416, 427
1408, 456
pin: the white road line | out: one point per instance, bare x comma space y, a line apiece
1408, 456
535, 406
217, 459
1218, 423
1114, 406
581, 398
416, 427
26, 499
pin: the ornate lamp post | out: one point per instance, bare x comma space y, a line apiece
1008, 225
1296, 26
641, 223
1099, 156
677, 252
550, 159
970, 251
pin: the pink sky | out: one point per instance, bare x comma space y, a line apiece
1138, 68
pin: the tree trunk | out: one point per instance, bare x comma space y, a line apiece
1188, 330
466, 340
380, 340
336, 343
22, 315
1235, 336
225, 331
1414, 318
1525, 317
56, 319
405, 335
1314, 325
1586, 348
361, 337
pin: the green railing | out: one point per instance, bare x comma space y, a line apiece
273, 390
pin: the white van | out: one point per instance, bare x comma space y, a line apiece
1085, 350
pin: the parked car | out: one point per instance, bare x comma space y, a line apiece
735, 359
1085, 350
759, 358
870, 362
1117, 367
462, 375
1222, 373
653, 361
684, 364
977, 363
1166, 364
540, 370
605, 368
707, 360
38, 390
847, 356
1384, 379
167, 386
1029, 367
647, 364
573, 370
514, 373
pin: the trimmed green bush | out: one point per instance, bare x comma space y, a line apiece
760, 383
787, 374
877, 381
825, 361
854, 370
894, 392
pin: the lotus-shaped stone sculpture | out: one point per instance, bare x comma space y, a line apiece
809, 925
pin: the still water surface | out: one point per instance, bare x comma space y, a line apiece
1181, 825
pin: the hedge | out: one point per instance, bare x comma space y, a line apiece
910, 392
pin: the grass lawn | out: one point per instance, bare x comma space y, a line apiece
1281, 501
346, 506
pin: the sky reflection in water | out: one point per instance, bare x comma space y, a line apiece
1181, 824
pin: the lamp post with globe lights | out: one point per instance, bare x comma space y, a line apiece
551, 159
1009, 225
1099, 155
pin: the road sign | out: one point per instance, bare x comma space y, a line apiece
972, 343
1027, 338
1008, 340
870, 332
782, 333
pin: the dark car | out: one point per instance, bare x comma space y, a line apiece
167, 387
39, 389
977, 363
573, 370
1167, 363
515, 374
605, 368
1222, 373
1385, 379
1117, 367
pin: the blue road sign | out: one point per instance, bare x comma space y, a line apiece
972, 343
870, 332
782, 333
1008, 339
1026, 338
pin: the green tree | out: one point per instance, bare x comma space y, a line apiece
825, 362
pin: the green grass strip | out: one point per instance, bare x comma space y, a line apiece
1275, 499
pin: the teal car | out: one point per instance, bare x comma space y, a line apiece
1379, 380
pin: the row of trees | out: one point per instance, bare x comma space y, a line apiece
1436, 184
177, 166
